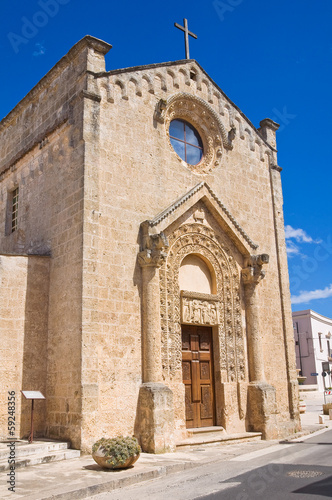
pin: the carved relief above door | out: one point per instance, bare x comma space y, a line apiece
200, 309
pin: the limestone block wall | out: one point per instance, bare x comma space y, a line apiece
42, 151
139, 176
93, 162
24, 283
50, 222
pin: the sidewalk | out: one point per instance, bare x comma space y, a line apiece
81, 477
314, 401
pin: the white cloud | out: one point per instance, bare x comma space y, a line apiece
305, 297
298, 234
292, 249
40, 50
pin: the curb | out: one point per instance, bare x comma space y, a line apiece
107, 486
134, 476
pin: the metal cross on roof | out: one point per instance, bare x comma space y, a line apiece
186, 35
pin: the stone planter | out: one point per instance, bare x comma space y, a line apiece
117, 453
105, 461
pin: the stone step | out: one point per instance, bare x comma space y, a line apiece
38, 447
221, 437
308, 388
52, 456
204, 430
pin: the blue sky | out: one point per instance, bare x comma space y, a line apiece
272, 58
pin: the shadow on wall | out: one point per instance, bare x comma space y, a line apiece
34, 370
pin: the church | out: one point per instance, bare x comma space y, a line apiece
143, 273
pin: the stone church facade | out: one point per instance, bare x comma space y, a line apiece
142, 292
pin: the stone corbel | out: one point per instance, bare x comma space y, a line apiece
160, 111
231, 136
253, 271
154, 251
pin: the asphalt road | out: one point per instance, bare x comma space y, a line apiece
290, 471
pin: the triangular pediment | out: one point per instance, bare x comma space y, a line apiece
204, 194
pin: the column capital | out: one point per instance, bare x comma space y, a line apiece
253, 273
155, 251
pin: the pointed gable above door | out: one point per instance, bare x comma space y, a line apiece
204, 194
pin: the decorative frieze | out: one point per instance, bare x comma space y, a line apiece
199, 309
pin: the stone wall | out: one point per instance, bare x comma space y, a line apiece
24, 283
94, 162
46, 163
139, 175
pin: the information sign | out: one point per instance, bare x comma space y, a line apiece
32, 395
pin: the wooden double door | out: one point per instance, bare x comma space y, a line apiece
197, 370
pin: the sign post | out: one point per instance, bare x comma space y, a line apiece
32, 395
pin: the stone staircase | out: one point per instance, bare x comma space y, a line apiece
41, 451
215, 435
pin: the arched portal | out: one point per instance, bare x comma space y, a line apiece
198, 260
196, 283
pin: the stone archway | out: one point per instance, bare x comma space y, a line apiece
226, 322
199, 224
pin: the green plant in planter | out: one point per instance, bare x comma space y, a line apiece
116, 452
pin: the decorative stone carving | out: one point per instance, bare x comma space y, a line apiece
160, 108
253, 272
201, 240
199, 216
207, 122
226, 215
199, 309
155, 250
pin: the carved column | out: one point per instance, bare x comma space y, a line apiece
154, 425
251, 276
262, 396
150, 260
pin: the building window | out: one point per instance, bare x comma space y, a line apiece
320, 342
14, 209
186, 141
328, 349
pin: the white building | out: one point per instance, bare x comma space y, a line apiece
312, 334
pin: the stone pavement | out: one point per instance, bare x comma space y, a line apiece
81, 478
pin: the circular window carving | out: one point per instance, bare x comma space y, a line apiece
206, 133
186, 141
